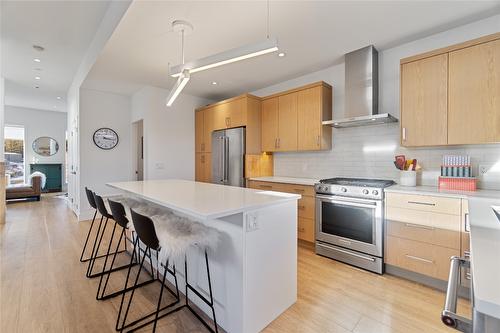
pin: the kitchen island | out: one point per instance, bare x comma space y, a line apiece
254, 268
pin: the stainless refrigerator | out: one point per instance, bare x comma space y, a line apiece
228, 157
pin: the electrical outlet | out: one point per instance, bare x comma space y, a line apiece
483, 169
252, 223
160, 166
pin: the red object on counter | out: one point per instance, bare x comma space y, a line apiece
457, 184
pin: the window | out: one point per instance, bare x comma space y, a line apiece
14, 154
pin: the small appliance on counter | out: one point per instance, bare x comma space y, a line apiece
456, 174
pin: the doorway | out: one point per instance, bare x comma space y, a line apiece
138, 130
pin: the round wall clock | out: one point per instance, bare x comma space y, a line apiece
105, 138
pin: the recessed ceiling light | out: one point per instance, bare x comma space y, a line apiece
36, 87
58, 97
37, 78
281, 54
37, 69
214, 83
39, 48
36, 60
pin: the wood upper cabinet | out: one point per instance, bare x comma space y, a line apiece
203, 131
451, 96
198, 131
269, 128
474, 94
424, 101
292, 120
229, 114
287, 122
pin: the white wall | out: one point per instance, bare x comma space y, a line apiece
39, 123
168, 132
369, 151
2, 112
97, 167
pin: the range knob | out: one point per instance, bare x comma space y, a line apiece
375, 192
343, 189
365, 191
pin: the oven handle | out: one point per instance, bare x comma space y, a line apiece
449, 316
347, 252
364, 203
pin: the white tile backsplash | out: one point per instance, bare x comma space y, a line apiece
369, 152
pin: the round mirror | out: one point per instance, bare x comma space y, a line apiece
45, 146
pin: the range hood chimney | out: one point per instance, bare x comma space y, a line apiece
361, 87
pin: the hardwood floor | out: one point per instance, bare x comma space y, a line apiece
44, 289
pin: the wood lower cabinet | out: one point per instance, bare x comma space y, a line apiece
423, 232
424, 102
203, 167
474, 94
306, 211
292, 120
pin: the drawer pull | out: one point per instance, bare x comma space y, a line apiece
419, 259
298, 190
265, 186
419, 226
422, 203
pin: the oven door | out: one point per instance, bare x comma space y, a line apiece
352, 223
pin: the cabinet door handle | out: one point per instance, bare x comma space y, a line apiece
418, 226
276, 143
302, 229
318, 141
467, 223
422, 203
419, 259
404, 133
301, 207
279, 142
228, 121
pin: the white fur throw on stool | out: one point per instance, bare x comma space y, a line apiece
175, 233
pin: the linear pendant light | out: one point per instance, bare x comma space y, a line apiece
179, 85
240, 53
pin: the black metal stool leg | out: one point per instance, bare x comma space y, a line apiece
92, 262
106, 259
87, 239
132, 293
94, 246
161, 295
126, 283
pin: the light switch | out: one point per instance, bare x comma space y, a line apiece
160, 166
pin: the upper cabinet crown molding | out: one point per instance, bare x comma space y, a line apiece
451, 96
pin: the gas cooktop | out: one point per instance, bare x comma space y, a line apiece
353, 187
378, 183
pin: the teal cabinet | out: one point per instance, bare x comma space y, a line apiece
53, 172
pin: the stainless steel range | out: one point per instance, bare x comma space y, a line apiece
350, 221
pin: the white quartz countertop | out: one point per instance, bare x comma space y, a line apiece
435, 191
288, 180
485, 254
202, 200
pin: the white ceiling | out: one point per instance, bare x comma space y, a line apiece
313, 34
64, 28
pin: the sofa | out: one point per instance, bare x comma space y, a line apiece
27, 191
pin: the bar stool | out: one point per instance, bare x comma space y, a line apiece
101, 207
146, 234
119, 215
177, 235
90, 199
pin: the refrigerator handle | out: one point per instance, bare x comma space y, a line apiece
226, 159
222, 158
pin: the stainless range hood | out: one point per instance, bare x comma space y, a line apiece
361, 87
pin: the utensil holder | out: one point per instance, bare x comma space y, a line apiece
408, 178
